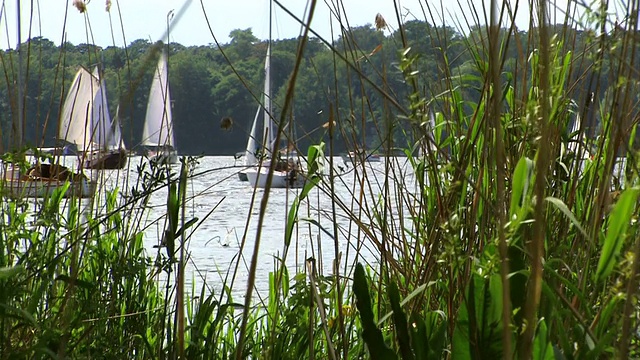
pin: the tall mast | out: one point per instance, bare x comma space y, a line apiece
20, 120
268, 104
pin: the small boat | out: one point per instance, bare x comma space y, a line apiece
287, 174
354, 157
41, 180
157, 135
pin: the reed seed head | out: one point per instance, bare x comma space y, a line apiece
226, 123
380, 22
80, 5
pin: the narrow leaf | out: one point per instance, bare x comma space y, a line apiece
618, 223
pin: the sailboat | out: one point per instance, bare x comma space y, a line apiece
86, 123
251, 152
41, 180
157, 134
112, 153
287, 172
355, 157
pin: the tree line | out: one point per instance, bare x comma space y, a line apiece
360, 79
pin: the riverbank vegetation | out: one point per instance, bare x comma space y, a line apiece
509, 229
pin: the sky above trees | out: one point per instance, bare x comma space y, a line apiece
201, 23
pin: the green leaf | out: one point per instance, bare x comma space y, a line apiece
315, 156
542, 350
478, 332
521, 180
413, 294
400, 322
618, 223
186, 226
370, 333
7, 272
565, 209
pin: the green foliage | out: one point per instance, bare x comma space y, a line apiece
496, 240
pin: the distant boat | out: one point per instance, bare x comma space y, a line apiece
288, 172
355, 157
113, 154
578, 142
157, 135
86, 123
251, 151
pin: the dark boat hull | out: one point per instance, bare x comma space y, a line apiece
115, 159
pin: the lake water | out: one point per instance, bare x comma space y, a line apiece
222, 203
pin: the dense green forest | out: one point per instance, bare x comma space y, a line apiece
209, 83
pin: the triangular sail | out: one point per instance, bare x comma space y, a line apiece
80, 113
250, 158
574, 136
269, 133
265, 108
158, 127
115, 141
102, 116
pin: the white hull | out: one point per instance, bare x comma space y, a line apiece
164, 157
281, 179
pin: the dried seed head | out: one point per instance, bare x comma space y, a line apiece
226, 123
380, 22
80, 5
108, 5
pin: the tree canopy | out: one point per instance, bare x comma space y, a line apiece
209, 83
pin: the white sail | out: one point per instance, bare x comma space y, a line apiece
102, 117
574, 137
115, 141
158, 127
110, 128
269, 134
250, 158
81, 113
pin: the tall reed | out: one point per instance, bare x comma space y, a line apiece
496, 233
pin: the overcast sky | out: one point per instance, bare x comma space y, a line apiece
147, 19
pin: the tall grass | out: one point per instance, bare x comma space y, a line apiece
499, 239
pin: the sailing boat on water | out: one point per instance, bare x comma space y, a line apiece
40, 180
157, 135
112, 153
86, 123
288, 172
251, 152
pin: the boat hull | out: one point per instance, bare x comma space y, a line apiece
281, 179
164, 157
352, 158
16, 185
45, 188
114, 159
